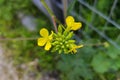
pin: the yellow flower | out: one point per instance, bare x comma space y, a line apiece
45, 39
71, 24
74, 47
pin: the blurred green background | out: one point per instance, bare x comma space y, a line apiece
97, 60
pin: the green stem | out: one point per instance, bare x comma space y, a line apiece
47, 8
54, 23
49, 11
51, 14
102, 77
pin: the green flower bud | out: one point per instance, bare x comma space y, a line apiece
61, 43
55, 35
59, 34
71, 41
55, 43
65, 50
62, 46
66, 42
53, 49
67, 45
60, 51
69, 35
57, 46
60, 29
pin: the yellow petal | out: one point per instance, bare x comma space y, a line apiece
69, 21
51, 35
80, 46
41, 41
48, 45
74, 50
74, 47
76, 26
44, 32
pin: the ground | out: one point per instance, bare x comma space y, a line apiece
26, 71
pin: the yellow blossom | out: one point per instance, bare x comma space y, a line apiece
45, 39
71, 24
74, 47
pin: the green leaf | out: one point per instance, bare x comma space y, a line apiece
1, 2
115, 64
118, 62
113, 52
100, 63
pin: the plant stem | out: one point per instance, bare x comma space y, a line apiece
102, 77
51, 14
54, 24
47, 8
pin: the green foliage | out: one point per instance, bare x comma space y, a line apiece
92, 62
9, 8
103, 62
74, 67
104, 6
23, 51
100, 63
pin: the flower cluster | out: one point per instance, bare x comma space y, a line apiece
61, 41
